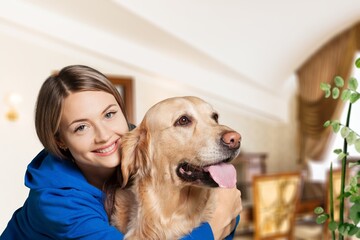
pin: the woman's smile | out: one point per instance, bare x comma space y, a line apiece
107, 150
93, 134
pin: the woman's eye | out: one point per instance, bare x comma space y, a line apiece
80, 128
110, 114
183, 120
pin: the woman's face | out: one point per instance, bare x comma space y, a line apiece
91, 127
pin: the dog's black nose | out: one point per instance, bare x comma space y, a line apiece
231, 139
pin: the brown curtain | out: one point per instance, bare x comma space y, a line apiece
334, 59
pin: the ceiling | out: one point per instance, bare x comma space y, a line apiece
264, 41
255, 46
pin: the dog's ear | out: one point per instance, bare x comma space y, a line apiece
135, 153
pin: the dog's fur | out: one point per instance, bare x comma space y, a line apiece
155, 202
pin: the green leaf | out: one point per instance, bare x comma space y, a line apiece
338, 151
339, 81
327, 123
322, 218
355, 199
347, 194
342, 229
318, 210
347, 228
355, 213
357, 145
357, 63
351, 138
353, 183
335, 93
325, 86
354, 97
344, 132
327, 93
336, 126
341, 156
353, 230
332, 226
345, 94
353, 83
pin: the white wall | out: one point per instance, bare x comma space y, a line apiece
26, 61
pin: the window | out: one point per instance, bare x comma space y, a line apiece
319, 169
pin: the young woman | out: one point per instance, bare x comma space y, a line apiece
80, 119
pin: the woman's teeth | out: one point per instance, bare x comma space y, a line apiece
106, 150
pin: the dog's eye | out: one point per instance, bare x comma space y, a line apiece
182, 121
215, 116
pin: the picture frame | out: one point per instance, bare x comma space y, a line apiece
125, 86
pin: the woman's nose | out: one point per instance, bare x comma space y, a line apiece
102, 134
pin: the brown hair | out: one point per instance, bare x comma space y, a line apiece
55, 89
48, 112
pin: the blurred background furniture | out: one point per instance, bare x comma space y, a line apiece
306, 227
275, 202
247, 166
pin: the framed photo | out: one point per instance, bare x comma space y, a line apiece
125, 86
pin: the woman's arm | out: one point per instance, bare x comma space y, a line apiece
72, 215
204, 231
232, 234
228, 208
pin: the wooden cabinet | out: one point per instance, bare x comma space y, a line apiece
247, 165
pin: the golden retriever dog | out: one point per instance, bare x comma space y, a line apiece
170, 165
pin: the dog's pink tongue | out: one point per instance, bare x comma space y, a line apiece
224, 174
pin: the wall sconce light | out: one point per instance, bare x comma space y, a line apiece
12, 101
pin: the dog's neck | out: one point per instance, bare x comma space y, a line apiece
185, 208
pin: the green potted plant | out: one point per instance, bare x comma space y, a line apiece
346, 225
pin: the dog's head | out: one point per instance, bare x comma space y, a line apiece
180, 140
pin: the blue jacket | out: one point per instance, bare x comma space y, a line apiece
63, 205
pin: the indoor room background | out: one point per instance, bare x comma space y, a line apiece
40, 37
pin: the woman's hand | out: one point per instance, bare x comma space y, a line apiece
228, 207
